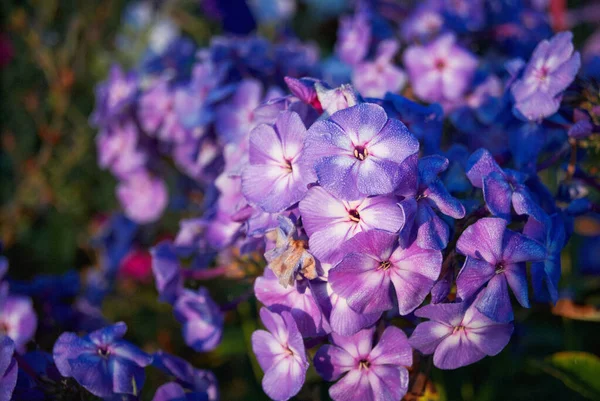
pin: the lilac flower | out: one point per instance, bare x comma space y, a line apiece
375, 263
375, 78
143, 197
358, 151
330, 222
157, 114
167, 272
102, 362
171, 392
118, 150
235, 119
551, 69
114, 95
545, 274
369, 373
501, 188
354, 37
196, 383
423, 23
430, 230
342, 319
281, 355
275, 179
200, 158
8, 368
458, 334
440, 71
17, 319
296, 299
496, 256
333, 100
201, 318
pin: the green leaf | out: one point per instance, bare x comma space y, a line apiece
577, 370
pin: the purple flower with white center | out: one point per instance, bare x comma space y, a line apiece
430, 230
545, 274
358, 152
369, 373
375, 78
354, 37
423, 23
296, 299
550, 70
342, 319
201, 318
114, 95
330, 222
157, 115
374, 263
275, 179
458, 334
102, 362
281, 355
235, 119
440, 71
196, 383
118, 150
502, 187
496, 256
8, 368
167, 272
17, 319
143, 197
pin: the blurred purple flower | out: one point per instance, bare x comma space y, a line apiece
201, 318
157, 112
551, 69
18, 319
376, 78
235, 119
369, 373
353, 37
114, 95
167, 272
102, 362
118, 149
458, 334
281, 355
143, 197
8, 368
496, 256
358, 151
197, 384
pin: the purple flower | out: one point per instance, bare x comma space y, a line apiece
375, 263
375, 78
235, 119
8, 368
342, 319
195, 383
423, 23
118, 150
545, 274
201, 318
296, 299
354, 37
358, 151
496, 256
102, 362
114, 95
143, 197
281, 355
336, 99
501, 188
157, 114
458, 334
330, 222
369, 373
167, 272
17, 319
551, 69
275, 179
440, 71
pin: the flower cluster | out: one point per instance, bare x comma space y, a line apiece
398, 180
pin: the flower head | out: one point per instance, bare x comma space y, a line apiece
369, 372
17, 319
496, 256
118, 150
552, 67
143, 197
458, 334
281, 355
167, 272
358, 152
201, 318
102, 362
114, 95
376, 78
193, 383
8, 368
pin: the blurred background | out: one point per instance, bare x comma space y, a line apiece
57, 207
